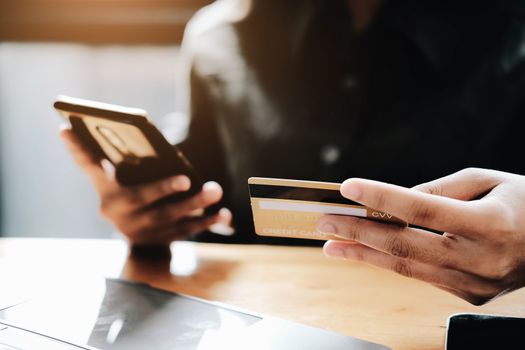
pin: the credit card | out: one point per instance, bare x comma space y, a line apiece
291, 208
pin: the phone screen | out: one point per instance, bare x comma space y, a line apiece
475, 331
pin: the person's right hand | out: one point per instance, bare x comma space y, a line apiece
130, 208
479, 256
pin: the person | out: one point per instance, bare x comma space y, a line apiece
399, 92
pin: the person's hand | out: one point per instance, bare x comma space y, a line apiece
480, 256
130, 209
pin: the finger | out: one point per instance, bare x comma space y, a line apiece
226, 216
403, 242
149, 193
171, 213
82, 156
80, 153
193, 227
418, 208
469, 287
124, 201
448, 250
461, 294
181, 230
223, 226
211, 193
466, 185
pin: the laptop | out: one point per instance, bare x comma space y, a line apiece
114, 314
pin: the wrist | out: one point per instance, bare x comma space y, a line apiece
156, 251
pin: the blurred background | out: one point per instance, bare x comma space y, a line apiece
117, 51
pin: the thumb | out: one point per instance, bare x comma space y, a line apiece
82, 156
467, 184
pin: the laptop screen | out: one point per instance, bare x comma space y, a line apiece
123, 315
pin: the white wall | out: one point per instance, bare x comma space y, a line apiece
42, 192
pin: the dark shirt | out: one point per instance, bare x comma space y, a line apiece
287, 90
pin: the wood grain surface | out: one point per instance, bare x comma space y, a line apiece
294, 283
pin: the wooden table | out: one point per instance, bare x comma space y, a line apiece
298, 284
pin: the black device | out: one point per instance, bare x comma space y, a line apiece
109, 314
126, 137
480, 332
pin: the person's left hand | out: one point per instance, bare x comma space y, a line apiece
132, 209
480, 256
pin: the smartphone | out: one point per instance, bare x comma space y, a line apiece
478, 331
126, 137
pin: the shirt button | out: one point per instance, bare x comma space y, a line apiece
330, 154
350, 83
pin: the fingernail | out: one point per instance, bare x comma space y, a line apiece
334, 252
226, 215
222, 229
327, 227
210, 185
108, 167
350, 190
180, 183
63, 127
212, 190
